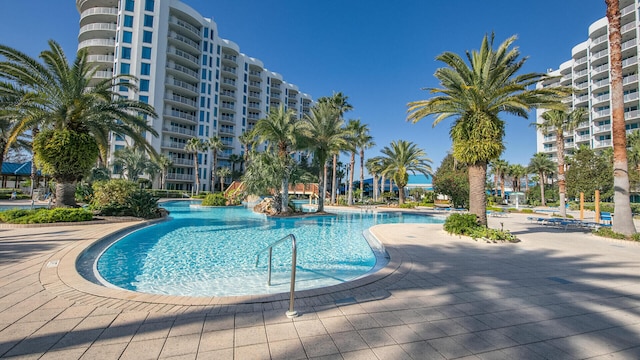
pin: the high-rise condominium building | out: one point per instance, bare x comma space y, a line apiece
588, 72
200, 84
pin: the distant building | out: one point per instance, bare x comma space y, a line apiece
588, 72
200, 84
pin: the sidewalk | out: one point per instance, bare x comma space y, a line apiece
557, 294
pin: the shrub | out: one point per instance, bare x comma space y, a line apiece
143, 204
408, 205
493, 235
216, 199
40, 216
527, 211
461, 224
635, 237
112, 193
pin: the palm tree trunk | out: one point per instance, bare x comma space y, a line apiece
400, 194
196, 170
323, 180
352, 165
543, 202
333, 179
361, 175
65, 193
477, 194
623, 221
34, 169
285, 194
375, 187
321, 188
562, 184
213, 171
382, 180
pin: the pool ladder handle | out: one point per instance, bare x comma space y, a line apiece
290, 313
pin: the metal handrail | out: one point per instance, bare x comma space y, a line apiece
290, 313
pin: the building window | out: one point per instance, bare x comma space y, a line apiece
148, 5
146, 52
126, 53
128, 5
148, 20
205, 45
206, 32
128, 21
127, 36
144, 99
125, 68
144, 85
123, 87
145, 69
147, 36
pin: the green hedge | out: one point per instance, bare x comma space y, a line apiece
42, 216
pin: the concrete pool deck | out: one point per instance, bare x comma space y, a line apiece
557, 294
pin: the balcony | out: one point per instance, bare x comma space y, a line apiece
100, 11
629, 79
628, 44
103, 75
184, 55
550, 148
275, 86
228, 93
581, 61
181, 115
602, 143
600, 68
180, 130
627, 10
631, 96
232, 58
254, 106
630, 61
182, 100
185, 25
183, 70
582, 138
108, 29
226, 131
181, 161
582, 85
254, 94
631, 114
227, 118
253, 116
601, 83
183, 85
580, 73
602, 128
627, 27
106, 43
231, 82
255, 73
230, 106
599, 40
549, 138
183, 177
601, 113
600, 54
582, 98
601, 98
173, 144
100, 59
254, 83
184, 40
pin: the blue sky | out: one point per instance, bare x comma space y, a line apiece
379, 53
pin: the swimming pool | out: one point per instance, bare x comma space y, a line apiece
212, 252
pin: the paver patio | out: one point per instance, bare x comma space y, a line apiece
557, 294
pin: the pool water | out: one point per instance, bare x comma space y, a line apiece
212, 251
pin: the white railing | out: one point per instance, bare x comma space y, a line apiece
602, 113
185, 25
582, 60
181, 161
179, 177
602, 128
97, 42
631, 114
627, 27
630, 61
230, 57
227, 118
254, 94
582, 85
229, 81
631, 96
181, 115
602, 82
100, 58
229, 69
183, 69
103, 74
180, 130
599, 40
184, 85
173, 144
600, 98
184, 55
99, 26
629, 79
582, 137
582, 98
185, 40
627, 10
600, 54
600, 68
581, 73
255, 73
229, 93
254, 83
99, 11
628, 44
275, 86
182, 100
602, 143
227, 106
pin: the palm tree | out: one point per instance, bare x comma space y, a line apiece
517, 172
164, 163
560, 121
340, 102
194, 145
223, 173
500, 167
374, 167
401, 158
77, 114
282, 132
324, 134
543, 166
216, 145
134, 163
476, 94
633, 149
363, 141
354, 127
623, 221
